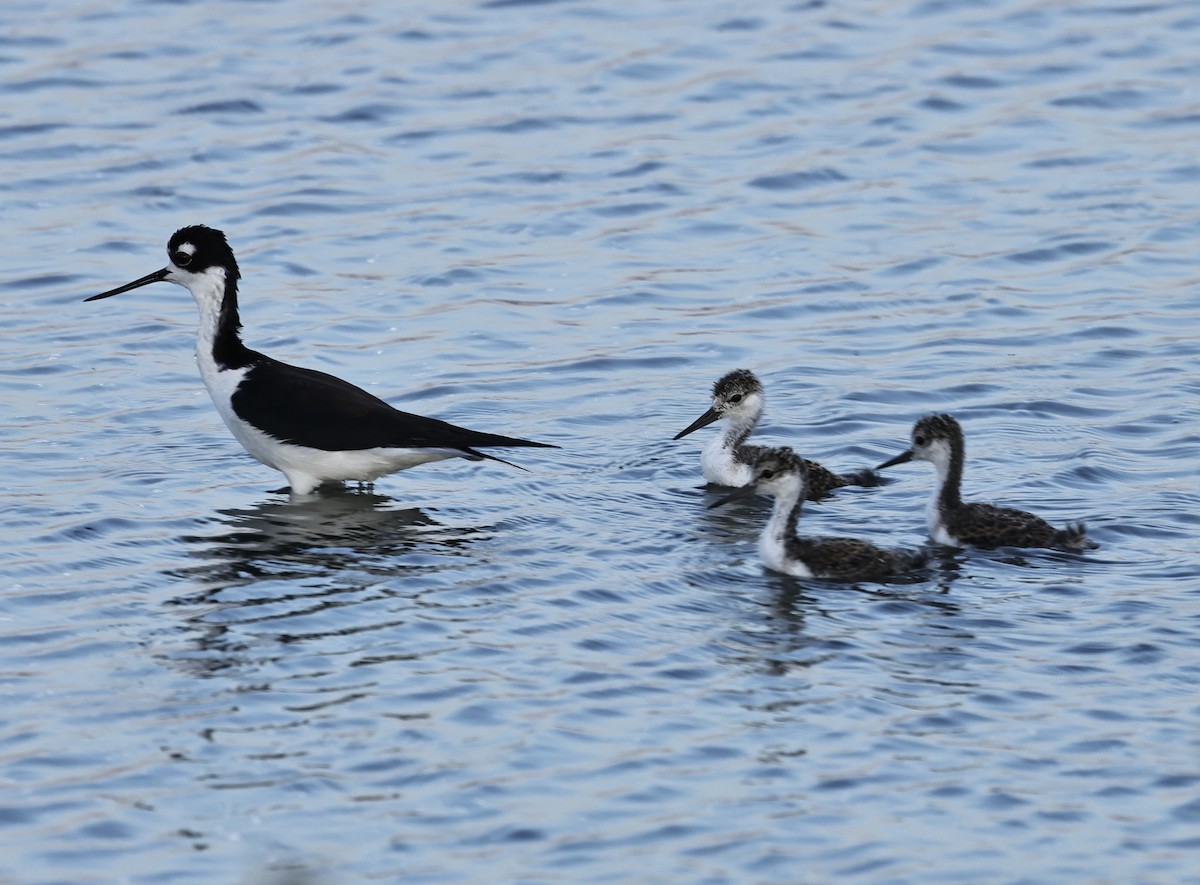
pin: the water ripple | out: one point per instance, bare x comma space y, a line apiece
565, 221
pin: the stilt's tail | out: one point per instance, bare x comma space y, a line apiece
474, 455
866, 478
1074, 537
915, 558
472, 441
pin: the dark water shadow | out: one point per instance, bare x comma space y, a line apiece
305, 570
791, 631
298, 537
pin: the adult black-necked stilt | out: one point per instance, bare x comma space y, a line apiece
727, 460
939, 440
783, 474
312, 426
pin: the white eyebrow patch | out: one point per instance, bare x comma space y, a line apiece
187, 249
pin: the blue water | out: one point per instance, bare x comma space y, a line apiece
564, 221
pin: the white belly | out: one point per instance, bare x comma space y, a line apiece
307, 468
774, 556
718, 466
937, 529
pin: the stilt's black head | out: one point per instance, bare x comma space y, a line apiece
934, 427
190, 252
934, 438
737, 395
196, 248
735, 385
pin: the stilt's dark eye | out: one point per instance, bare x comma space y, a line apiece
766, 474
736, 398
181, 259
919, 440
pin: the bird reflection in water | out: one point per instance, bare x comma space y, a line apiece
308, 531
268, 568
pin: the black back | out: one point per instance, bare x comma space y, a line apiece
321, 411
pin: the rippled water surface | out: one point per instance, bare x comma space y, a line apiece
564, 220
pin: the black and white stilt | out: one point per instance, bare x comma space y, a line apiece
311, 426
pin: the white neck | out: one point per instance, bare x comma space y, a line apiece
781, 527
939, 456
208, 290
738, 424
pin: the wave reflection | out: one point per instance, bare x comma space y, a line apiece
286, 572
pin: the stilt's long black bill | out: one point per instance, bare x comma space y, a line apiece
899, 459
747, 491
703, 421
144, 281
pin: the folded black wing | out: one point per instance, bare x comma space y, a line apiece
321, 411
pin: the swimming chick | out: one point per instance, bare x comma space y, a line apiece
784, 475
939, 440
737, 399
